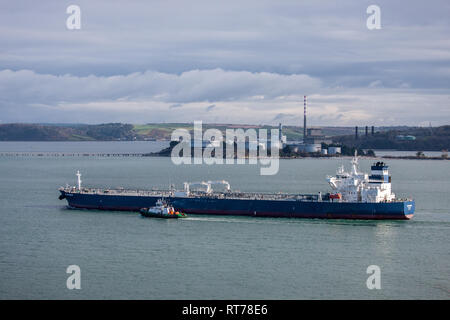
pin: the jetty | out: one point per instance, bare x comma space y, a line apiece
69, 154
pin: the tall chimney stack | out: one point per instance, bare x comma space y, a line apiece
356, 132
304, 118
373, 130
279, 132
367, 131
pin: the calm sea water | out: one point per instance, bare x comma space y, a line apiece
124, 256
83, 146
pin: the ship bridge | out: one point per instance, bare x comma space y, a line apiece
379, 173
355, 186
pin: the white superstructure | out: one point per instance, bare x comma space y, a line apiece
161, 208
355, 186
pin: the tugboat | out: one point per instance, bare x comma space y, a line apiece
162, 210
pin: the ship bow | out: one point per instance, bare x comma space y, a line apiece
409, 208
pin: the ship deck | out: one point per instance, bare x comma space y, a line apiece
199, 194
237, 195
194, 194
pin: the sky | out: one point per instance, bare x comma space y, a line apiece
246, 61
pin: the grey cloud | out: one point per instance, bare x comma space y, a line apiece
288, 37
191, 86
210, 108
226, 53
282, 116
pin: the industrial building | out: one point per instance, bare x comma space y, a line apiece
315, 136
312, 138
405, 138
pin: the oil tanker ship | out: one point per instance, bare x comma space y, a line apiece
354, 195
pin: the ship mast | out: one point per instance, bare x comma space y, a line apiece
79, 179
355, 163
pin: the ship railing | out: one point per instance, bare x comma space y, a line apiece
169, 193
256, 196
136, 192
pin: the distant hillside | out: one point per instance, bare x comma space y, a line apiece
158, 131
164, 130
425, 139
38, 132
118, 131
384, 139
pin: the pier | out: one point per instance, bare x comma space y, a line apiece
69, 154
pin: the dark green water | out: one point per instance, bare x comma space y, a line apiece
123, 256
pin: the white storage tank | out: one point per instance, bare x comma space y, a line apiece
334, 150
313, 147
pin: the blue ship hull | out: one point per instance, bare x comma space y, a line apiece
248, 207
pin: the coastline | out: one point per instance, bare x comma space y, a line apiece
76, 154
104, 149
